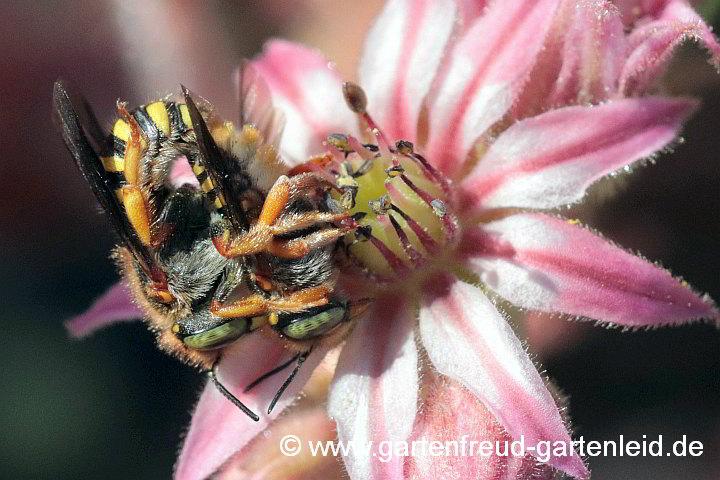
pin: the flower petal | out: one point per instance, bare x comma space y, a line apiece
438, 421
581, 59
550, 160
113, 306
653, 44
219, 428
468, 340
482, 76
309, 93
374, 394
593, 55
264, 459
544, 263
402, 53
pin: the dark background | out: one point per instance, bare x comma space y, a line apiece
112, 406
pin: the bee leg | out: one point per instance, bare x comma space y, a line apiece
227, 394
300, 359
260, 238
256, 305
300, 247
134, 194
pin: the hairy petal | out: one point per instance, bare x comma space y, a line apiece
402, 53
309, 93
468, 340
482, 76
219, 429
374, 394
438, 420
113, 306
593, 55
550, 160
581, 59
653, 43
548, 264
264, 460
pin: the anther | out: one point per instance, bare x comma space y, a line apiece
355, 97
363, 233
439, 207
404, 147
394, 171
339, 141
381, 205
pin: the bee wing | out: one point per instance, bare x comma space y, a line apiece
89, 164
215, 163
255, 103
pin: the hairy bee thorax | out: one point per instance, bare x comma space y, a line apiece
402, 204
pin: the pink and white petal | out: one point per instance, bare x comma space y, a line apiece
482, 76
438, 420
550, 160
652, 46
470, 10
402, 52
594, 52
308, 92
181, 173
218, 428
468, 340
264, 460
548, 264
373, 397
113, 306
255, 103
633, 11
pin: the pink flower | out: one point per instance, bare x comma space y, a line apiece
518, 106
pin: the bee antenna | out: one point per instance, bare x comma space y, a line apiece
300, 360
227, 394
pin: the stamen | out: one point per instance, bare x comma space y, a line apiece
415, 257
427, 241
393, 260
436, 174
448, 220
364, 153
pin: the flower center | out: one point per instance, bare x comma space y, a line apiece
402, 205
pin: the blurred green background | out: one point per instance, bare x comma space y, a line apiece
112, 406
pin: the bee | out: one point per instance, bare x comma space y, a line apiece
249, 246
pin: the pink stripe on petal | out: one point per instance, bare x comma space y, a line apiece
593, 55
219, 429
113, 306
373, 396
482, 76
309, 93
550, 160
653, 44
402, 53
468, 340
547, 264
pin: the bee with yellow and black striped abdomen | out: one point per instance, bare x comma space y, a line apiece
243, 247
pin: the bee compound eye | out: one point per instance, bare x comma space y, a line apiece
216, 336
311, 323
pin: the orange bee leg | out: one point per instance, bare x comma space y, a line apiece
271, 223
300, 247
256, 305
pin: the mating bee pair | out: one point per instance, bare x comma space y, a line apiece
243, 247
